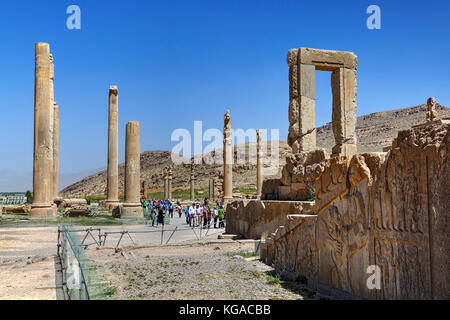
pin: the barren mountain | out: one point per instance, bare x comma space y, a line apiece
374, 131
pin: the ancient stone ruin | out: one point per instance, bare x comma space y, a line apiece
227, 158
112, 200
46, 136
383, 214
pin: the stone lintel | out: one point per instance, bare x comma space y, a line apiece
327, 60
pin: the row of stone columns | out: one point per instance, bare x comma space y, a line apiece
46, 136
131, 206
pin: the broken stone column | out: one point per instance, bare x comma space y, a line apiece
259, 164
55, 151
227, 157
212, 195
112, 200
132, 207
43, 136
192, 183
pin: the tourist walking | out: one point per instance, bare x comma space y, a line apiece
153, 216
215, 216
221, 217
160, 217
192, 215
170, 206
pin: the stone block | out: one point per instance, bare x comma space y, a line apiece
327, 60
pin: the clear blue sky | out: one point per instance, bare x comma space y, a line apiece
180, 61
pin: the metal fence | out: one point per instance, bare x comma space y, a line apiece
79, 280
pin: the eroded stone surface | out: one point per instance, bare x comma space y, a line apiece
389, 210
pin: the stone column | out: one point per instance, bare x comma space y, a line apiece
55, 151
166, 185
192, 183
169, 184
113, 149
259, 164
343, 86
55, 130
132, 207
227, 157
43, 139
212, 195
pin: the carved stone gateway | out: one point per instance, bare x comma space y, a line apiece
303, 63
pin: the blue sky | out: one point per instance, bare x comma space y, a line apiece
179, 61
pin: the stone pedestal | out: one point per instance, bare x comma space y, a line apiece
259, 164
43, 136
132, 207
112, 200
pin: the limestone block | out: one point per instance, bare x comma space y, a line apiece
327, 60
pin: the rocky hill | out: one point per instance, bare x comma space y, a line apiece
374, 131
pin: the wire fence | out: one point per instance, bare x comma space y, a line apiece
78, 274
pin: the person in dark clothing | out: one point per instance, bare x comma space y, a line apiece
160, 217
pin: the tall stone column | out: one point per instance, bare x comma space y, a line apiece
55, 151
132, 207
227, 157
43, 138
166, 185
113, 149
259, 164
55, 145
192, 183
212, 195
169, 183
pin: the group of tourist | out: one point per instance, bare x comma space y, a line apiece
196, 214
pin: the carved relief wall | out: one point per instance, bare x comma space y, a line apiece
389, 210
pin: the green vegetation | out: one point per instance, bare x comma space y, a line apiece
244, 190
273, 279
244, 254
183, 194
29, 196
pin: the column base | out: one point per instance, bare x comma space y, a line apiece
111, 204
131, 211
39, 210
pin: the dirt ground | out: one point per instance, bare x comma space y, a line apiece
205, 271
27, 263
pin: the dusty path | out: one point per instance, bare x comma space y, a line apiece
28, 255
194, 271
27, 263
